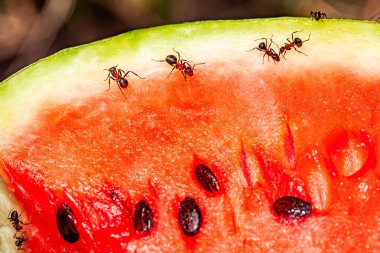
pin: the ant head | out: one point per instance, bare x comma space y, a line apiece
112, 70
123, 83
298, 42
189, 71
14, 215
262, 46
282, 50
171, 59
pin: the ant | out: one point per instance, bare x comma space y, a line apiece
119, 76
180, 64
267, 49
20, 240
317, 15
14, 218
376, 15
294, 43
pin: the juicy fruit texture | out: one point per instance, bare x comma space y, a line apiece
214, 157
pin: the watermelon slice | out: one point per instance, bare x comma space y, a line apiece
235, 150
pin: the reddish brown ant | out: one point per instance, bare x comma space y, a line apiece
317, 15
119, 76
180, 64
20, 240
14, 218
294, 43
267, 49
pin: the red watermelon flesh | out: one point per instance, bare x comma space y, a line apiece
305, 130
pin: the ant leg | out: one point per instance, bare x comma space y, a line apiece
294, 33
25, 223
9, 215
18, 237
307, 38
111, 68
253, 49
118, 85
264, 57
185, 61
158, 60
311, 14
184, 75
171, 72
186, 64
109, 74
109, 82
266, 42
275, 44
197, 64
283, 55
130, 71
272, 53
268, 47
299, 51
376, 15
121, 72
268, 56
179, 56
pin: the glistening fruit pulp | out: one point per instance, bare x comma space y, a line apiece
306, 127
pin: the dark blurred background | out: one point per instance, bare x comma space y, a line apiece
33, 29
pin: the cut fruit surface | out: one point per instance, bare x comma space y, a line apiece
241, 156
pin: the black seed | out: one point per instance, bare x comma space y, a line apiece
143, 217
66, 223
206, 178
292, 207
190, 217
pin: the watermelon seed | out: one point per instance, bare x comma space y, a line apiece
291, 207
143, 217
190, 217
206, 178
66, 223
